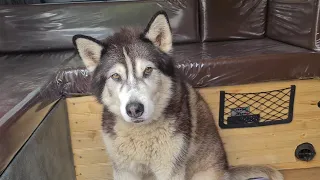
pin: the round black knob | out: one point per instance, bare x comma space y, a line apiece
319, 104
305, 152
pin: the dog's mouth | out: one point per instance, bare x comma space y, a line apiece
139, 120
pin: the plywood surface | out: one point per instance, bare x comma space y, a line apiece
272, 145
302, 174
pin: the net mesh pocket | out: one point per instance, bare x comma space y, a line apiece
256, 109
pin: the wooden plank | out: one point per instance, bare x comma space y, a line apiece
84, 122
257, 142
87, 139
279, 158
272, 140
90, 156
101, 171
299, 174
83, 105
272, 145
104, 172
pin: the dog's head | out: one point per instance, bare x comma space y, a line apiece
132, 70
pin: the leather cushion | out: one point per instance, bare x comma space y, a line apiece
225, 19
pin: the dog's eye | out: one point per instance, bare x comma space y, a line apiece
116, 77
147, 71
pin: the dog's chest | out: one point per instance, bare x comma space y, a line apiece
146, 145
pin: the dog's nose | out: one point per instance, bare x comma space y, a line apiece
135, 109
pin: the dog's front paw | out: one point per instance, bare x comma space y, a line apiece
125, 175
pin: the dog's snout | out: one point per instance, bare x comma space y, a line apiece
134, 109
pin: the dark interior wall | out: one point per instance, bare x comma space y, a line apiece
12, 2
47, 155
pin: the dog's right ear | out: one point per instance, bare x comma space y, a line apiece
89, 49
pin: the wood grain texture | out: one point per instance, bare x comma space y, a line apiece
273, 145
302, 174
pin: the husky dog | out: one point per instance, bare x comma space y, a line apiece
155, 125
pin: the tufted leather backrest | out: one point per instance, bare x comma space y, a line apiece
51, 26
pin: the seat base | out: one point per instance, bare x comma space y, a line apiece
273, 145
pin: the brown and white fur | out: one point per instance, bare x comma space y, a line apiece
155, 125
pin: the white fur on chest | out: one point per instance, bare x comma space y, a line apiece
153, 145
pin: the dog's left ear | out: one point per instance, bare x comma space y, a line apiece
158, 31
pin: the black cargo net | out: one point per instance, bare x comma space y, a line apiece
256, 109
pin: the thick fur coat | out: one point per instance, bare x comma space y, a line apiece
155, 125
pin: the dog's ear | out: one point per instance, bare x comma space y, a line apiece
158, 31
89, 49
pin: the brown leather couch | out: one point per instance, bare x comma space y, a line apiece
216, 43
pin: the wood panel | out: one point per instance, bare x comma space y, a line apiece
90, 157
300, 174
272, 145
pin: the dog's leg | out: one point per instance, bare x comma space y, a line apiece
125, 175
166, 174
210, 174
